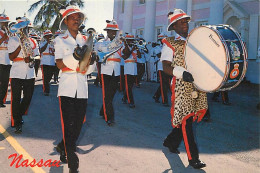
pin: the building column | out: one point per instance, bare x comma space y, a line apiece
128, 16
150, 14
216, 12
253, 37
115, 10
182, 4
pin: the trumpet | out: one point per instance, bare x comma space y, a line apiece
140, 44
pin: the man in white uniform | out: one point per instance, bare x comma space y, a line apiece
47, 60
164, 78
5, 64
110, 72
22, 76
73, 86
130, 54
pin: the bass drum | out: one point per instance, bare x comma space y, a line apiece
216, 57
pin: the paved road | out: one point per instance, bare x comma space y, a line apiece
229, 143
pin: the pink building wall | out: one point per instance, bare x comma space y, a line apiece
139, 23
200, 14
138, 9
161, 6
251, 7
199, 1
161, 20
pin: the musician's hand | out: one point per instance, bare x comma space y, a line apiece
79, 52
27, 59
94, 58
187, 77
5, 36
182, 73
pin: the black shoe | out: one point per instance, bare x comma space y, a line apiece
63, 156
18, 129
110, 123
171, 149
73, 171
2, 106
124, 101
166, 104
131, 105
197, 164
226, 103
156, 99
22, 121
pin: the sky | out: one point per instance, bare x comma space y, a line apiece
97, 11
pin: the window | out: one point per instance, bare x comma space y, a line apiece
141, 1
200, 23
140, 32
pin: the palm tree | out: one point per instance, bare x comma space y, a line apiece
49, 12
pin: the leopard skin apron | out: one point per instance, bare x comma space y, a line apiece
183, 105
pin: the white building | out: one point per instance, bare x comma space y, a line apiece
148, 18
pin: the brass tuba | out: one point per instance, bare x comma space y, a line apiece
114, 46
21, 31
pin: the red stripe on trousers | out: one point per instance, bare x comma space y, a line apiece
161, 83
185, 138
12, 118
126, 87
43, 87
103, 91
84, 119
62, 126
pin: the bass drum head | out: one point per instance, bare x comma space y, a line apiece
206, 59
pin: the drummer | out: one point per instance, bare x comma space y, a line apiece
185, 108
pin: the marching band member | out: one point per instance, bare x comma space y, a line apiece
141, 62
98, 79
130, 68
163, 77
57, 70
155, 52
22, 73
37, 60
47, 60
73, 85
109, 73
186, 105
5, 64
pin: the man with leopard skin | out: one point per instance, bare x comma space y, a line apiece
185, 108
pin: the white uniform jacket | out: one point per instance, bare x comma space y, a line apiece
47, 56
4, 57
167, 52
130, 66
113, 62
20, 69
143, 57
71, 84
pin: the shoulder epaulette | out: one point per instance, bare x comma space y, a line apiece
168, 42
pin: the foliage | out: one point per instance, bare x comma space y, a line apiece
48, 15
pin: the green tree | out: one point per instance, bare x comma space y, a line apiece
49, 12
